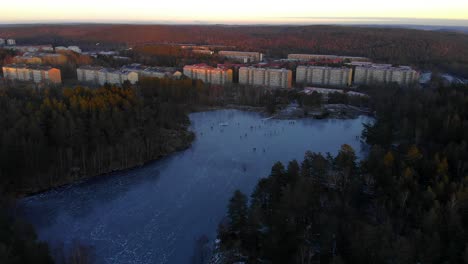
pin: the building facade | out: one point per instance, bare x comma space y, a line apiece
40, 58
11, 42
31, 48
99, 75
324, 76
203, 52
69, 48
242, 56
273, 78
34, 73
156, 72
2, 42
384, 73
208, 74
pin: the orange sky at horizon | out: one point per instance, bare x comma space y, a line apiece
241, 11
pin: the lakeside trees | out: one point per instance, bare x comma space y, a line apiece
53, 136
407, 202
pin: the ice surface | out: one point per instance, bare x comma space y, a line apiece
155, 213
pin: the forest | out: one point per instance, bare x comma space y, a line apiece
406, 202
55, 136
52, 136
428, 50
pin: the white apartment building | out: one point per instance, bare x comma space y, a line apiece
272, 78
242, 56
208, 74
157, 72
32, 48
11, 42
69, 48
100, 75
385, 73
324, 76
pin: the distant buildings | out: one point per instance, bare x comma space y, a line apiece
273, 78
102, 53
242, 56
69, 48
31, 48
309, 57
100, 76
34, 73
367, 74
208, 74
41, 58
324, 76
203, 52
158, 72
2, 42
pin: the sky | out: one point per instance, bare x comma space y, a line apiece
430, 12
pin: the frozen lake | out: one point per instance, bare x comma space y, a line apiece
154, 214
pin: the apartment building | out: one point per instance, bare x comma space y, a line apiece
40, 58
242, 56
34, 73
100, 75
157, 72
10, 42
273, 78
324, 76
203, 52
31, 48
2, 42
367, 74
311, 57
69, 48
208, 74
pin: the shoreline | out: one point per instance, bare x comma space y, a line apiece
180, 148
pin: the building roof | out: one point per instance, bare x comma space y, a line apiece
90, 67
385, 67
142, 68
322, 67
205, 67
31, 67
265, 69
240, 52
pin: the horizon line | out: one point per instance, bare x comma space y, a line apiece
292, 21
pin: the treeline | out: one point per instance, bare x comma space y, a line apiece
407, 202
443, 51
170, 55
54, 136
196, 93
6, 56
18, 241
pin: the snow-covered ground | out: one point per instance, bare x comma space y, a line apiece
425, 78
454, 79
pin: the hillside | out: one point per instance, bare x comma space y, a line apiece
443, 51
